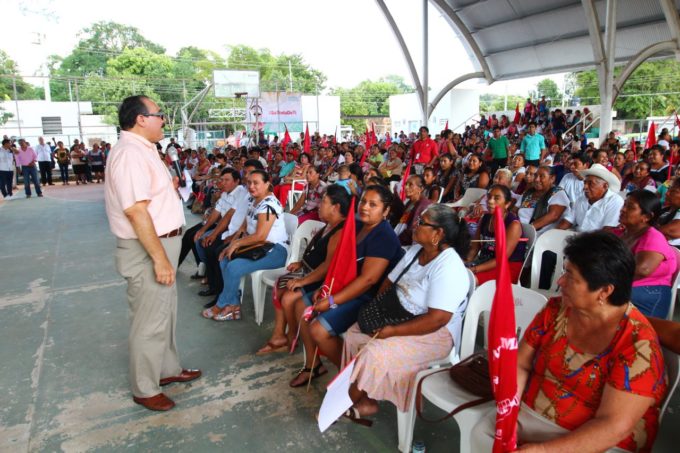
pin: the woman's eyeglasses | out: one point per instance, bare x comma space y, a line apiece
421, 222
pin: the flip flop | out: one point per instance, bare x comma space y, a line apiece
355, 417
272, 348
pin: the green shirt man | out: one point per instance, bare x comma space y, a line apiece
498, 144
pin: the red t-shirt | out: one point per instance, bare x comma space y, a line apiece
424, 151
566, 384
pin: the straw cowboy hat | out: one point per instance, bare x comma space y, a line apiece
600, 171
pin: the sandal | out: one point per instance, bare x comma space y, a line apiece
208, 313
232, 315
271, 347
355, 417
316, 372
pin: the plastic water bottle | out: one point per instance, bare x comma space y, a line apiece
418, 447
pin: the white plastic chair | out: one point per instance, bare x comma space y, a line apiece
550, 241
295, 194
672, 362
393, 185
529, 232
471, 195
441, 194
441, 391
291, 221
406, 420
675, 283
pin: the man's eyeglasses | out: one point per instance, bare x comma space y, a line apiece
421, 222
160, 115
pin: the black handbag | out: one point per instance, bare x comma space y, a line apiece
385, 309
253, 252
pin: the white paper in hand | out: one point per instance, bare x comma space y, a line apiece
337, 400
185, 192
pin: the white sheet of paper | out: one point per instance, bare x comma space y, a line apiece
337, 400
185, 192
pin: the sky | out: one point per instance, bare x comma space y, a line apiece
349, 40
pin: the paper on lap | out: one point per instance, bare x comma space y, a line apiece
185, 192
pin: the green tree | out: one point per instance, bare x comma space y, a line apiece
9, 71
369, 98
491, 103
98, 43
549, 89
650, 90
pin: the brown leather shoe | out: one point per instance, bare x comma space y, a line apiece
184, 376
159, 402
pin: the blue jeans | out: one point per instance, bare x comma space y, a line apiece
200, 250
652, 300
30, 173
63, 169
233, 270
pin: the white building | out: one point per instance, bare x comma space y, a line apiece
457, 107
55, 119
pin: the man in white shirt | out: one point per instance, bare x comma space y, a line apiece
6, 168
572, 183
599, 206
44, 152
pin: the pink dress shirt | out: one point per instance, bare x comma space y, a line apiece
25, 157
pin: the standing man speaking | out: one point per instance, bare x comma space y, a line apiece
146, 216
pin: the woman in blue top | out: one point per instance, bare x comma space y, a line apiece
378, 251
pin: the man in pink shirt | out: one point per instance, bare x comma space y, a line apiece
146, 216
26, 158
424, 151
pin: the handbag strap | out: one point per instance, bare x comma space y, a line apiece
408, 266
462, 407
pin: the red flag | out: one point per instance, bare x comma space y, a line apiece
334, 139
518, 117
374, 138
503, 347
651, 135
343, 267
388, 140
308, 141
285, 141
446, 127
407, 173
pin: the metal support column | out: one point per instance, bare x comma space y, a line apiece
607, 71
424, 98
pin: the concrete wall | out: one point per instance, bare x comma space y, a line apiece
455, 107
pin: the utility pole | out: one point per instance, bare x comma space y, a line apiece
290, 76
16, 103
80, 123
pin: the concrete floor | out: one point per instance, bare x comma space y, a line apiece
63, 356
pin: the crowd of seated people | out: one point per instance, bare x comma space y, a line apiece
409, 240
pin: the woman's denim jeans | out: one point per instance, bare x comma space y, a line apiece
233, 270
652, 300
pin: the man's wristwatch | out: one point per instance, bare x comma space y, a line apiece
333, 304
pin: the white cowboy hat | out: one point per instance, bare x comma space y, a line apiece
600, 171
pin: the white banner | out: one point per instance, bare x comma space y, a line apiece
279, 109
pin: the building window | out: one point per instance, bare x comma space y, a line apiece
51, 125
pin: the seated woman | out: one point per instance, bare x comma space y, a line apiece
431, 189
446, 179
669, 220
639, 179
307, 206
298, 172
481, 258
307, 274
416, 203
433, 288
378, 251
474, 176
263, 224
391, 168
654, 259
543, 204
590, 369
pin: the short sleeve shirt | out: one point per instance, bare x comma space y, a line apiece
381, 242
269, 204
604, 212
135, 173
532, 146
441, 284
424, 151
499, 147
528, 204
566, 384
654, 241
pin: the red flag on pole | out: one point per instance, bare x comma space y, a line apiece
651, 135
374, 138
343, 267
388, 140
285, 141
407, 173
308, 141
334, 139
446, 127
518, 117
503, 347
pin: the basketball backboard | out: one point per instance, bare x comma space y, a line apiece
230, 83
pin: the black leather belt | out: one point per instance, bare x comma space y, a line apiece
172, 234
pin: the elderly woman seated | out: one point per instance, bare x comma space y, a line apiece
654, 259
590, 368
431, 286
